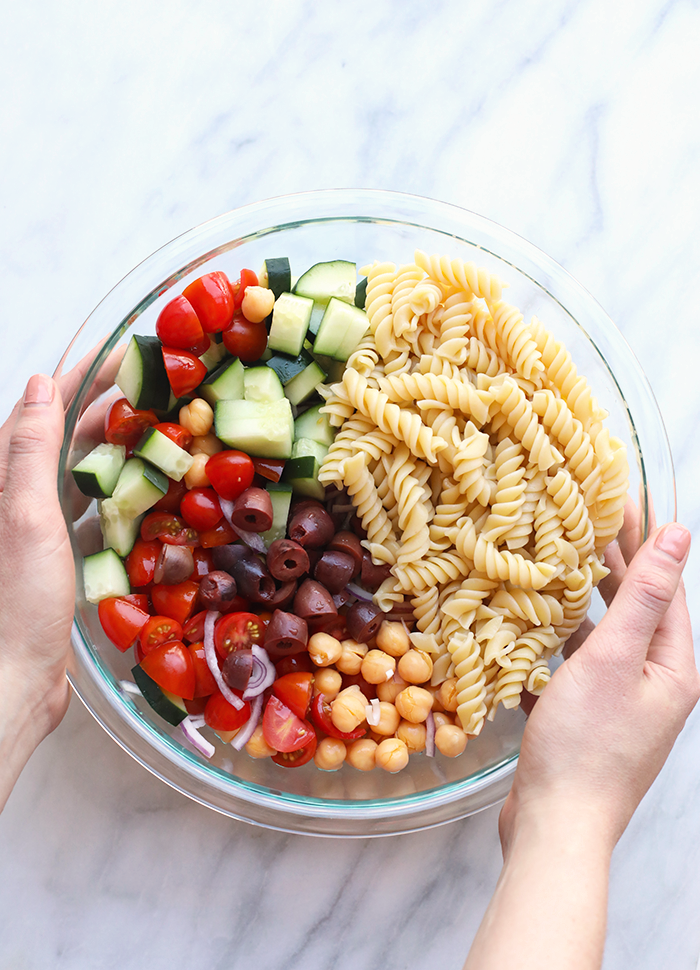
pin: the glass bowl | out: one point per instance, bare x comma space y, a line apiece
363, 226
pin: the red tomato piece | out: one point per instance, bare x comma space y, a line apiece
244, 339
138, 599
269, 468
201, 347
200, 508
295, 691
181, 436
122, 621
204, 679
196, 706
193, 630
177, 600
178, 324
248, 278
158, 630
124, 425
212, 300
141, 562
282, 729
203, 562
297, 663
172, 498
184, 370
221, 535
170, 665
295, 759
230, 473
168, 528
369, 690
321, 716
222, 716
236, 631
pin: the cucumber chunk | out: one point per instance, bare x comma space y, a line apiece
104, 575
224, 384
212, 358
315, 425
301, 471
276, 275
301, 387
287, 367
342, 328
98, 472
157, 448
324, 281
281, 498
163, 702
261, 429
119, 531
139, 487
361, 293
262, 384
290, 321
142, 377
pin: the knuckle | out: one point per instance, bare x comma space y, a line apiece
654, 589
27, 439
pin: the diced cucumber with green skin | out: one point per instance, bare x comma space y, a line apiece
212, 358
276, 275
173, 412
287, 367
361, 294
290, 321
301, 387
119, 531
163, 702
315, 425
98, 473
342, 328
337, 278
305, 447
224, 384
334, 368
104, 575
142, 377
262, 384
159, 450
315, 321
281, 498
139, 487
261, 429
302, 470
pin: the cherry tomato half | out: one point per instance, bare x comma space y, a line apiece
221, 535
141, 562
200, 508
269, 468
168, 528
170, 665
124, 425
184, 370
204, 679
244, 339
122, 621
175, 432
203, 562
176, 600
295, 759
321, 716
282, 729
178, 324
158, 630
172, 498
222, 716
230, 473
212, 300
237, 631
193, 630
295, 691
297, 663
248, 278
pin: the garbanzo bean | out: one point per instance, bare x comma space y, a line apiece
257, 746
450, 740
350, 660
392, 754
257, 304
324, 649
412, 735
205, 444
447, 694
330, 754
389, 719
197, 417
441, 718
389, 690
361, 754
328, 682
377, 667
414, 703
415, 666
393, 638
348, 709
197, 476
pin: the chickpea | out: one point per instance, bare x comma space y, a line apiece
414, 704
328, 682
412, 735
205, 444
350, 660
389, 719
415, 666
447, 694
330, 754
362, 753
450, 740
197, 476
389, 690
257, 746
324, 649
348, 709
257, 304
392, 754
440, 718
197, 417
377, 667
393, 638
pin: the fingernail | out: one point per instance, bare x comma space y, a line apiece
39, 392
674, 540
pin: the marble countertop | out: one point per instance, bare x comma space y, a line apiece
122, 125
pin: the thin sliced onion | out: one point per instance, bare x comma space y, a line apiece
210, 656
359, 592
195, 738
246, 732
373, 712
262, 675
196, 720
343, 598
430, 735
252, 539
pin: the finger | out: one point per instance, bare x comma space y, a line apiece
70, 382
577, 638
615, 561
645, 593
672, 644
631, 535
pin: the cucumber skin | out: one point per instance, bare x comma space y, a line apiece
154, 392
154, 696
279, 277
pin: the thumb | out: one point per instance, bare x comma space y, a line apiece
34, 445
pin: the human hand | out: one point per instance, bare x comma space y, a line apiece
605, 725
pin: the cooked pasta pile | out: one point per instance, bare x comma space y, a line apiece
477, 461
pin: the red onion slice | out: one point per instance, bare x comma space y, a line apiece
373, 713
129, 687
195, 738
252, 539
263, 673
430, 735
246, 732
359, 592
210, 655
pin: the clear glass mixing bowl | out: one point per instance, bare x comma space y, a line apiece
362, 226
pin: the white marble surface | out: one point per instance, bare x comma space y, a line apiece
122, 125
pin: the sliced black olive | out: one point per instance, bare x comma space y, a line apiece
373, 576
349, 543
286, 634
334, 570
287, 560
311, 527
313, 599
226, 557
217, 590
363, 621
254, 581
252, 510
237, 668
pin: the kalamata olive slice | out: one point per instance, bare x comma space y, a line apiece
357, 527
175, 564
334, 570
287, 560
254, 581
373, 576
237, 668
312, 599
349, 543
217, 590
298, 505
252, 510
363, 620
286, 634
284, 595
226, 557
312, 527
